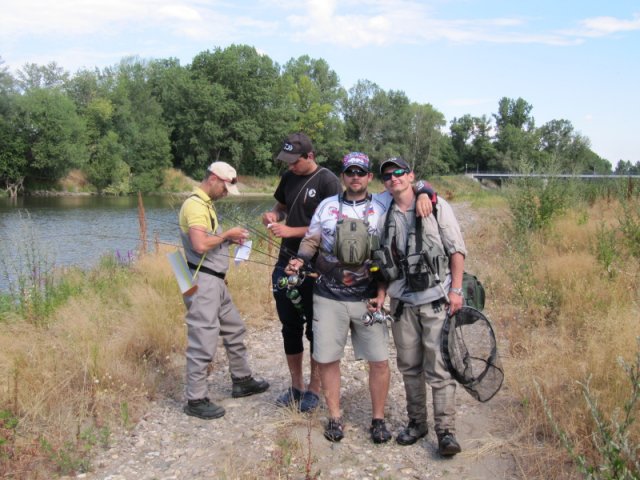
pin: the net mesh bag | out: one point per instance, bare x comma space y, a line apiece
471, 354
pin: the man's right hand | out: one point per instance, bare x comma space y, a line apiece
294, 266
236, 235
269, 218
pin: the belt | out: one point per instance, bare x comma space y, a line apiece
207, 270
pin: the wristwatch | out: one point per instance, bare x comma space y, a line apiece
457, 291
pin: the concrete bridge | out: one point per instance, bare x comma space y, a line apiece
500, 177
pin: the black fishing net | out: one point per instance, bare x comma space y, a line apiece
471, 354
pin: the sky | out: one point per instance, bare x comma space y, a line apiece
577, 60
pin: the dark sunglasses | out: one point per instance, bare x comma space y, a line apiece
396, 173
353, 173
233, 181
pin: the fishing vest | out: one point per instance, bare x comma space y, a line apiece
353, 242
424, 263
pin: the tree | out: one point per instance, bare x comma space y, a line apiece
193, 109
50, 132
568, 151
425, 140
139, 125
361, 110
625, 167
471, 139
253, 116
313, 95
32, 76
516, 136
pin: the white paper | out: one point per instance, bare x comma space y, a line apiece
181, 272
243, 251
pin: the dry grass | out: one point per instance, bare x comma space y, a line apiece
104, 355
562, 319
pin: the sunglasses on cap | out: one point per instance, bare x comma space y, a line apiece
353, 173
233, 181
396, 173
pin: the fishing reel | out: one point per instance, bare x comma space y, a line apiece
291, 281
379, 316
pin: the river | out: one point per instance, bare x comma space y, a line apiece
79, 230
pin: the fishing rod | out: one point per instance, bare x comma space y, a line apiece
254, 230
266, 254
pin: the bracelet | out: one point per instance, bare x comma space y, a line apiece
457, 291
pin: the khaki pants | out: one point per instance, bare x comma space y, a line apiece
417, 335
212, 314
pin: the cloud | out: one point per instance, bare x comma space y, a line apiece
72, 18
392, 22
602, 26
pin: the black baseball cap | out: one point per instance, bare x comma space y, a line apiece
294, 146
397, 161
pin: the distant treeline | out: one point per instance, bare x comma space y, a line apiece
123, 126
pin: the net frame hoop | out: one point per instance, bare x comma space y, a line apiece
444, 346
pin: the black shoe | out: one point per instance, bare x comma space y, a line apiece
290, 397
243, 387
379, 432
412, 433
334, 430
204, 409
448, 446
309, 401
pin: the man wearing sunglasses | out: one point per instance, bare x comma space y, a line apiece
340, 293
430, 255
210, 310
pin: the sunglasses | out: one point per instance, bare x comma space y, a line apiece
353, 173
396, 173
233, 181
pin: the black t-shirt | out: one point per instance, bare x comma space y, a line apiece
302, 194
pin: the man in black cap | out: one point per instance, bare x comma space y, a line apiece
425, 284
300, 191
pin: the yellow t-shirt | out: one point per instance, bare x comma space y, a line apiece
198, 211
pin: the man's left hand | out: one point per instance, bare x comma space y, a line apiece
456, 302
423, 206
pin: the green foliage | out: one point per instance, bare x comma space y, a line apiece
138, 122
68, 458
125, 125
630, 227
52, 133
618, 456
8, 425
535, 202
254, 108
606, 248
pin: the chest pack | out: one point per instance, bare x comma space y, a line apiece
353, 242
423, 262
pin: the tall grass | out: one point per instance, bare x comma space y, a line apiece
567, 280
563, 293
85, 361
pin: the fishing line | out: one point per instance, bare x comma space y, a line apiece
244, 224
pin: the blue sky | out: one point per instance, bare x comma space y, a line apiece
570, 59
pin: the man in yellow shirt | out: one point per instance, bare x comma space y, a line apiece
211, 312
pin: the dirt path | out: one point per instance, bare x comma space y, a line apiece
255, 439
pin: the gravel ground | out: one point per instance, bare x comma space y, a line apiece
255, 439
